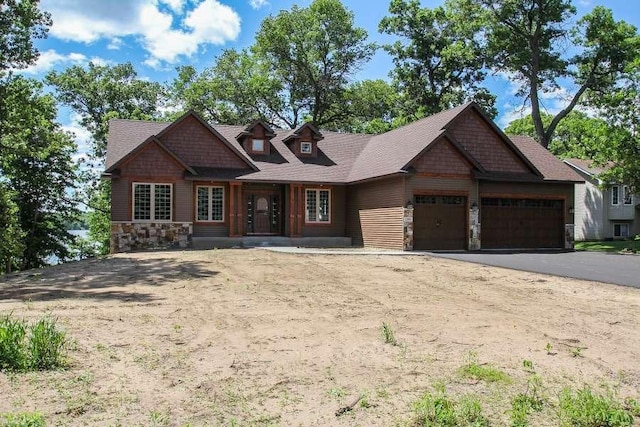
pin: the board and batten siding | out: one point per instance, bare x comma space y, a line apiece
375, 213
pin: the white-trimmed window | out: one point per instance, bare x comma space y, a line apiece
318, 205
306, 148
257, 145
615, 195
621, 229
210, 203
152, 202
627, 197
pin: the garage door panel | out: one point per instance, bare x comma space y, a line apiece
521, 223
439, 222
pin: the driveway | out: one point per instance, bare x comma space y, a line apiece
598, 266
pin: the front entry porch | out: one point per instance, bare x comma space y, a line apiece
261, 241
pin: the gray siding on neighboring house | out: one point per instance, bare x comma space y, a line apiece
589, 211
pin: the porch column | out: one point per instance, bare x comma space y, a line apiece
235, 209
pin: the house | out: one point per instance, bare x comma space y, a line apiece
601, 213
451, 181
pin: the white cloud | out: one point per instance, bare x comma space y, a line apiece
50, 58
257, 4
511, 113
166, 35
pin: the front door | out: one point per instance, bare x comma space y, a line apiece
263, 212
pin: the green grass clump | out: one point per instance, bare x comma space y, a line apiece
25, 347
22, 420
472, 369
583, 408
388, 335
439, 410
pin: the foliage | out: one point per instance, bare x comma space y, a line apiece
99, 219
523, 404
24, 419
297, 70
438, 409
20, 23
37, 164
38, 346
576, 136
472, 369
11, 236
439, 61
528, 41
583, 408
388, 335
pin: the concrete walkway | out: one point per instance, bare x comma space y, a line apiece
597, 266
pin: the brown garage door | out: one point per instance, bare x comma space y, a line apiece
439, 222
521, 223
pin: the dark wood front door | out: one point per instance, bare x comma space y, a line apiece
439, 222
264, 212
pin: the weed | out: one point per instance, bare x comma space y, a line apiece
576, 352
337, 392
24, 419
527, 365
439, 410
549, 349
524, 403
159, 419
583, 408
364, 400
388, 335
46, 345
30, 347
473, 370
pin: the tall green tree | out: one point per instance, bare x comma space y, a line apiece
529, 41
20, 23
38, 167
439, 59
99, 93
577, 136
11, 242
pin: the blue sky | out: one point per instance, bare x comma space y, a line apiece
159, 35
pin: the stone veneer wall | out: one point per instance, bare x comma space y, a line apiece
126, 236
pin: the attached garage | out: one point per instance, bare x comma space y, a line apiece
439, 222
513, 223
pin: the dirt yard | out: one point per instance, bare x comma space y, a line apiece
253, 337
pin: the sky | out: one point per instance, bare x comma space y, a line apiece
157, 36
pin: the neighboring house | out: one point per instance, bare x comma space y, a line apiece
603, 213
449, 181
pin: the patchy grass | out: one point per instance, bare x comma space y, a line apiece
609, 246
438, 409
585, 408
474, 370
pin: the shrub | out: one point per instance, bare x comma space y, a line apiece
30, 347
586, 409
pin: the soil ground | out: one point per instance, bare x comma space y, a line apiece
253, 337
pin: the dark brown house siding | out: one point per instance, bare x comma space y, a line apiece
197, 146
484, 144
375, 213
441, 186
144, 168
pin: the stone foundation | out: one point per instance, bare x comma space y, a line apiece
128, 236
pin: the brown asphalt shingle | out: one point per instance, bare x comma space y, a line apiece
125, 135
552, 168
588, 167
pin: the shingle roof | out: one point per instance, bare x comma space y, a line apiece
552, 168
342, 158
587, 166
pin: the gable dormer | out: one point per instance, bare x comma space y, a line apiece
256, 138
304, 141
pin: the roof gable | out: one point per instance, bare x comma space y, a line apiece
551, 168
442, 158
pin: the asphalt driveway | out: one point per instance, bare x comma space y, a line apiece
598, 266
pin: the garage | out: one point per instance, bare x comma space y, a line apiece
439, 222
510, 223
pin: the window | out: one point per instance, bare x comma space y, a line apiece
210, 203
257, 145
152, 202
620, 230
318, 205
305, 148
626, 193
615, 195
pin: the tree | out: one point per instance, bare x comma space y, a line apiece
528, 40
577, 136
37, 165
439, 61
20, 22
11, 242
100, 93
